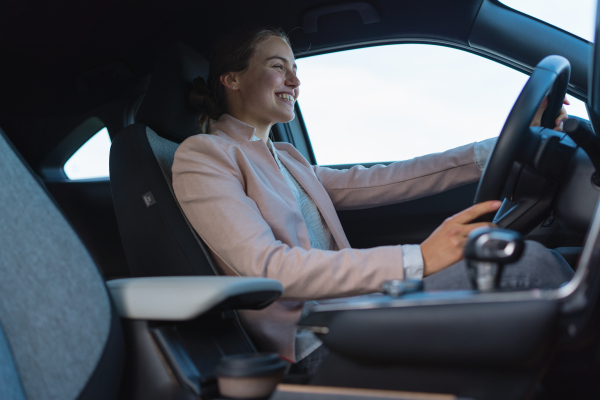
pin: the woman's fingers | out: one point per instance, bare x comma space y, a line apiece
445, 245
562, 117
472, 227
476, 211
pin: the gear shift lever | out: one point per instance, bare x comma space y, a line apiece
487, 250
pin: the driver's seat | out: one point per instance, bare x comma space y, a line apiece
157, 238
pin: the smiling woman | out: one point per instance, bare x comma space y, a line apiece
218, 94
265, 92
264, 210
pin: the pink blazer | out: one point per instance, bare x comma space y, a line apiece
235, 197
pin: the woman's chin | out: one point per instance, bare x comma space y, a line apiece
287, 117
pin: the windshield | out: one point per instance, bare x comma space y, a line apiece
574, 16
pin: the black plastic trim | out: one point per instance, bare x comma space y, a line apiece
494, 33
194, 349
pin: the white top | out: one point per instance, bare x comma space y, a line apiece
318, 231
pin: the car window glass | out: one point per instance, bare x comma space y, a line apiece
90, 160
574, 16
396, 102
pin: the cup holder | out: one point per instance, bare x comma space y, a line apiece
249, 375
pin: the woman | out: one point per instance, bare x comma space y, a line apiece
263, 210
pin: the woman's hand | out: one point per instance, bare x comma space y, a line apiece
445, 245
562, 117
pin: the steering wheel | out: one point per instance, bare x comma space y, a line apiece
517, 144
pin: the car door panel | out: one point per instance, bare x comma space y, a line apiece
409, 222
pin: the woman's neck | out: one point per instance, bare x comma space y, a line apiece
262, 130
262, 134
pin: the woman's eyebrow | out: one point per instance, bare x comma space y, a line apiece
283, 59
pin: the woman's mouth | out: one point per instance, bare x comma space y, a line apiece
286, 97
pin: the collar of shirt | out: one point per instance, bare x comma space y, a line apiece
234, 128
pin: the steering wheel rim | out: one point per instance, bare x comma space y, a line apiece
550, 77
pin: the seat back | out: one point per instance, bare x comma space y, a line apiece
157, 238
59, 335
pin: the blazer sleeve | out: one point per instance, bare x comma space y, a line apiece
210, 188
360, 187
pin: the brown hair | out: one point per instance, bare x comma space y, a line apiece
232, 54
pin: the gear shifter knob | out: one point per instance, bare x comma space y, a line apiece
487, 251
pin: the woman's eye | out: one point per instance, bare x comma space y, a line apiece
278, 66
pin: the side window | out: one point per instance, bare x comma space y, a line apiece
90, 160
396, 102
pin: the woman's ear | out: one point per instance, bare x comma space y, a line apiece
229, 80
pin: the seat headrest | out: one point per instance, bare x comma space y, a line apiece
165, 107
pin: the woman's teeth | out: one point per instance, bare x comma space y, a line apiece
286, 96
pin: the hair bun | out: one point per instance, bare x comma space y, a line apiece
200, 98
203, 101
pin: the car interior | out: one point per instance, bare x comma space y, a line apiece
106, 291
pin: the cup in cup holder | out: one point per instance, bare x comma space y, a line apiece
245, 376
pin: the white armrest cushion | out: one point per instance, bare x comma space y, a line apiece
181, 298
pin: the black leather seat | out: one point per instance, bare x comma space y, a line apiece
157, 238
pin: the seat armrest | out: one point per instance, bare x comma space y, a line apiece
182, 298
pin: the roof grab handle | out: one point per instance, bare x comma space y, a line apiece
367, 12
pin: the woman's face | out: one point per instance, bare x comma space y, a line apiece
268, 89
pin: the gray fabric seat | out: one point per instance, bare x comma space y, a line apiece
60, 334
60, 337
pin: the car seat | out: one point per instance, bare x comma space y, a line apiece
61, 337
60, 333
157, 238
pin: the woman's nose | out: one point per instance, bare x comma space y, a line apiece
292, 80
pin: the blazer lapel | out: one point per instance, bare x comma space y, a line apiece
318, 194
264, 163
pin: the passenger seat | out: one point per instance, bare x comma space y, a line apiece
60, 332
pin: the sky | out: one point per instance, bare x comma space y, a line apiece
575, 16
91, 160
